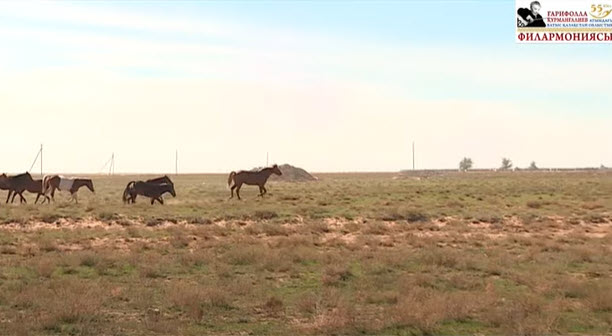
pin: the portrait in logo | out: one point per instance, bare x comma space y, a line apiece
530, 17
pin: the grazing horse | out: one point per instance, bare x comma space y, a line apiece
56, 182
152, 190
16, 185
130, 197
258, 178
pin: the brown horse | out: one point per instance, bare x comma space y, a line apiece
130, 197
17, 184
35, 187
258, 178
4, 185
56, 182
153, 190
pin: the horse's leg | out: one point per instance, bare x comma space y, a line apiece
232, 191
161, 200
8, 196
260, 191
264, 189
37, 197
238, 191
152, 200
21, 198
44, 197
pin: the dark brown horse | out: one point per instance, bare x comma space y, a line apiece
152, 190
130, 197
4, 185
258, 178
35, 187
56, 182
17, 184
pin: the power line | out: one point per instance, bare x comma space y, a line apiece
38, 154
111, 165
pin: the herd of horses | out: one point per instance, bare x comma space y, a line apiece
153, 188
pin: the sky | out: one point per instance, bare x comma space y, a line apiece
330, 86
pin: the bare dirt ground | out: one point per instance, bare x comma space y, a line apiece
340, 229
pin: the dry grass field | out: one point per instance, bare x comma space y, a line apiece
475, 253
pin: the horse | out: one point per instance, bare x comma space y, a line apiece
152, 190
56, 182
4, 185
17, 184
130, 197
258, 178
35, 187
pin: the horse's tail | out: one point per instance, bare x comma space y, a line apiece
230, 179
127, 190
45, 184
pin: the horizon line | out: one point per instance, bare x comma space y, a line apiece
401, 171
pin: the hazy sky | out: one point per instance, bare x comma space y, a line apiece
328, 86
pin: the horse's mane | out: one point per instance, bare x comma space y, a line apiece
258, 169
162, 178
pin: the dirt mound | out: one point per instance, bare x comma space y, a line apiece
292, 174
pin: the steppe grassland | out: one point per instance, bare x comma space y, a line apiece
514, 253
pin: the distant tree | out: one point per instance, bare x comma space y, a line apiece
506, 164
465, 164
602, 167
533, 166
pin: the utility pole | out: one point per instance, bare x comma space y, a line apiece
267, 158
413, 166
111, 167
41, 157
